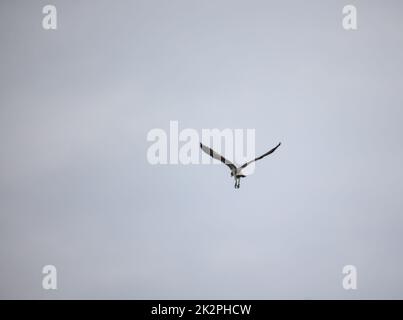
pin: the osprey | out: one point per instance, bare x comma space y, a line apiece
236, 172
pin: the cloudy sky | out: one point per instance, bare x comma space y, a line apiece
77, 191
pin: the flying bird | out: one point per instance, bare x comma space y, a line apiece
236, 172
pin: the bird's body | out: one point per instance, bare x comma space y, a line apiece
236, 172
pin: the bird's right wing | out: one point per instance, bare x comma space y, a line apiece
216, 156
262, 156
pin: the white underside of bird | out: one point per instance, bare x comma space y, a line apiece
236, 172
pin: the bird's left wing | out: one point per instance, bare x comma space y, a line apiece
216, 156
262, 156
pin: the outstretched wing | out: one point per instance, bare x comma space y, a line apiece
262, 156
216, 156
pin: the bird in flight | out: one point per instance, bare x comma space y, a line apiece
236, 172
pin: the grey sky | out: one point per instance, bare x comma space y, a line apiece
76, 190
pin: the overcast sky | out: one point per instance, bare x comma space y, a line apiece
77, 191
